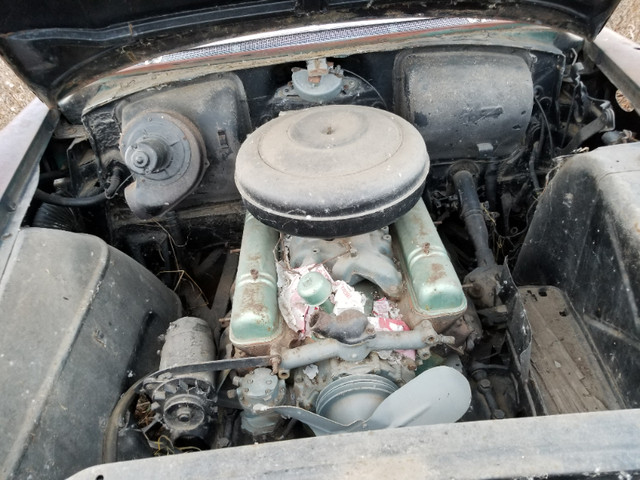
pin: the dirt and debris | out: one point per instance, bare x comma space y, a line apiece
626, 19
14, 95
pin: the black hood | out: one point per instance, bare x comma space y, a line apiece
57, 46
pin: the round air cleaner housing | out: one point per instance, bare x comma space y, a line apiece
332, 171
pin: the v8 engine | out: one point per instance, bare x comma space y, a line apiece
295, 249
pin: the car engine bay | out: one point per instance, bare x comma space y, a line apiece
322, 247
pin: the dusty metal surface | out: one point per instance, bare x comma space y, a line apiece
70, 334
367, 256
434, 291
22, 143
602, 444
422, 339
255, 321
584, 239
108, 38
565, 369
110, 88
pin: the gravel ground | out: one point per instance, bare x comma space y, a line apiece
14, 95
626, 19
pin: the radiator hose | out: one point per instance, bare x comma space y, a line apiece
114, 182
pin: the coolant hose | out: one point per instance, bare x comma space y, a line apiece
70, 201
110, 440
471, 213
115, 180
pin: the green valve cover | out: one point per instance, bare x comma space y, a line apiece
255, 318
433, 284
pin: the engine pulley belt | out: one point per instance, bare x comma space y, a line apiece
212, 366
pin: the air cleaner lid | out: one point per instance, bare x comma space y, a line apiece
332, 171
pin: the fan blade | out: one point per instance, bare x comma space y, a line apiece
439, 395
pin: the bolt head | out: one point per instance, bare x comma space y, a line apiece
140, 159
184, 414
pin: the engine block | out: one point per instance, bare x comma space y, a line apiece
429, 288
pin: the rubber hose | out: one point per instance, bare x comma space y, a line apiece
114, 182
533, 160
70, 201
491, 184
110, 442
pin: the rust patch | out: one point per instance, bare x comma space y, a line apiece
426, 248
422, 230
437, 272
254, 273
253, 301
